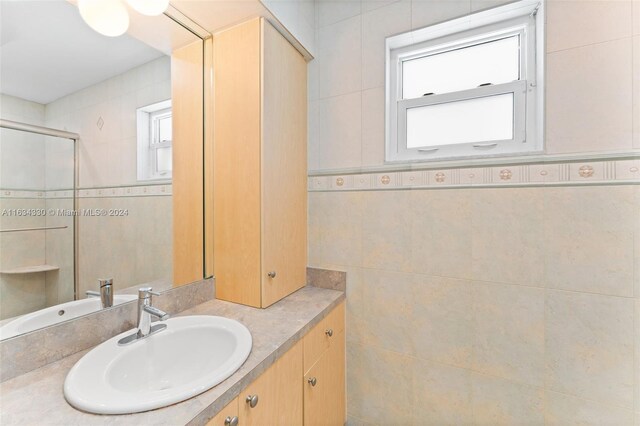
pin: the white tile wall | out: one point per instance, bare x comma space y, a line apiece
332, 11
484, 306
590, 346
376, 26
339, 58
339, 122
23, 154
590, 110
636, 17
107, 155
563, 410
373, 126
497, 401
636, 89
592, 89
572, 24
429, 12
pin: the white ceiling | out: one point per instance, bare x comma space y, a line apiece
217, 15
47, 51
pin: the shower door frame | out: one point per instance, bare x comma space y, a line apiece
46, 131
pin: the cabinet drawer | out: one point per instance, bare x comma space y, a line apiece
320, 338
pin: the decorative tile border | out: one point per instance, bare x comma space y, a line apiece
556, 174
111, 192
10, 193
128, 191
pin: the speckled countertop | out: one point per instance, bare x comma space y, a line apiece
36, 398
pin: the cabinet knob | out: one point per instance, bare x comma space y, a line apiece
312, 381
252, 400
231, 421
272, 274
329, 332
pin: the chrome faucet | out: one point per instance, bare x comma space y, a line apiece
145, 311
105, 294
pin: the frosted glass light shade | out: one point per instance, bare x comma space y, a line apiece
149, 7
108, 17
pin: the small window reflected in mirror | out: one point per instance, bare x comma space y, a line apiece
154, 141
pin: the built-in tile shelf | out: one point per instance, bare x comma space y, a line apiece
30, 269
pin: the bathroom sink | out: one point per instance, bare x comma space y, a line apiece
193, 354
55, 314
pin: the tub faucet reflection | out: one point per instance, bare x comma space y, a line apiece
105, 294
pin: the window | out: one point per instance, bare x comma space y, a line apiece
154, 141
467, 88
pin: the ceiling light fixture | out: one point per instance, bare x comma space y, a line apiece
149, 7
108, 17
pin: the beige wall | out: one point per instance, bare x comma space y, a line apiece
484, 306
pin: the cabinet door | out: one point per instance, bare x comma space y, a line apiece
323, 335
284, 167
236, 170
226, 416
279, 394
324, 388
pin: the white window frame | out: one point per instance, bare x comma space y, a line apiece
525, 19
147, 119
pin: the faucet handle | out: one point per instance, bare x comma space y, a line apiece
105, 281
145, 292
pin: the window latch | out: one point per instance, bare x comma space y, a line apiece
427, 150
429, 94
485, 145
535, 11
485, 84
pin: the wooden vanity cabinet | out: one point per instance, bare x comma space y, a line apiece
274, 398
259, 157
291, 394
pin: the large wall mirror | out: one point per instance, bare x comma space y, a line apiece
91, 126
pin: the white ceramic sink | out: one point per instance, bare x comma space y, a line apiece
55, 314
191, 355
